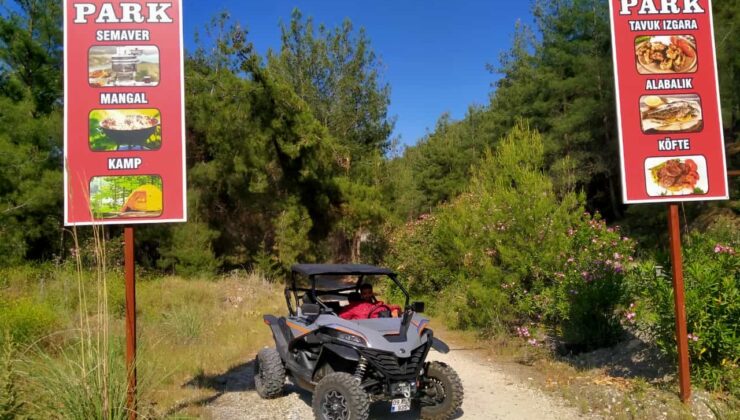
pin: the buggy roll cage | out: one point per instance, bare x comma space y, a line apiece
313, 270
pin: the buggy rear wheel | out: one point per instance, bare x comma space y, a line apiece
442, 392
269, 373
339, 396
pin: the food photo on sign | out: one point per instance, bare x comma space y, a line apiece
124, 65
125, 129
665, 54
676, 176
671, 113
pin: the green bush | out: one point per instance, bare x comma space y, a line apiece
592, 285
190, 252
712, 288
26, 321
511, 252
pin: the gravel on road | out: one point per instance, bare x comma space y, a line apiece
490, 393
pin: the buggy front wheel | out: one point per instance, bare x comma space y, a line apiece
442, 392
339, 396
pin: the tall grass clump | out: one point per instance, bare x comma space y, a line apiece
512, 254
12, 404
84, 377
78, 382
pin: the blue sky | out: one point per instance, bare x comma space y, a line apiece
434, 52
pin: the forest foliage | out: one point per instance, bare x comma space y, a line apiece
290, 157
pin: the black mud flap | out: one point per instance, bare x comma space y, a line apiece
278, 333
337, 357
345, 353
440, 345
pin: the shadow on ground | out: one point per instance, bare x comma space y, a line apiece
240, 378
631, 358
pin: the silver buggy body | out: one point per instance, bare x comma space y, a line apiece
349, 364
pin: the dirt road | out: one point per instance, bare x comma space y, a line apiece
489, 394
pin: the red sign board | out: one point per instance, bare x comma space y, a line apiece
124, 148
670, 127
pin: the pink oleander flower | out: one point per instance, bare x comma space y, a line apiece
722, 249
532, 342
522, 332
693, 337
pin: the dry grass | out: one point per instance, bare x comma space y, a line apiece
195, 328
187, 329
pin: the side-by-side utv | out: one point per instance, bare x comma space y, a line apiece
348, 364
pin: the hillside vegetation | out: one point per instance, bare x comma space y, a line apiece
509, 220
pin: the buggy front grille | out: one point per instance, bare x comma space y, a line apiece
394, 367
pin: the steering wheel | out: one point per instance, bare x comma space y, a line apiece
383, 310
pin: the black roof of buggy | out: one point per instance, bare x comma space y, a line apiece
346, 269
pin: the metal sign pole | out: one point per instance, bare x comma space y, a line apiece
130, 274
680, 303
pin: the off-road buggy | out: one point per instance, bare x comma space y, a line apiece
348, 364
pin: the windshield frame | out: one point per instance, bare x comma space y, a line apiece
293, 289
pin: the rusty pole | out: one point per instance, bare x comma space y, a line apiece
130, 274
680, 303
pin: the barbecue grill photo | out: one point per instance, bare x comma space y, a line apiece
125, 129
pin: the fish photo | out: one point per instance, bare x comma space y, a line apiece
671, 113
676, 176
665, 54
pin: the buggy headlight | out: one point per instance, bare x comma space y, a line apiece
350, 337
347, 336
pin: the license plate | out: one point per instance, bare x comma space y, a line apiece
400, 404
